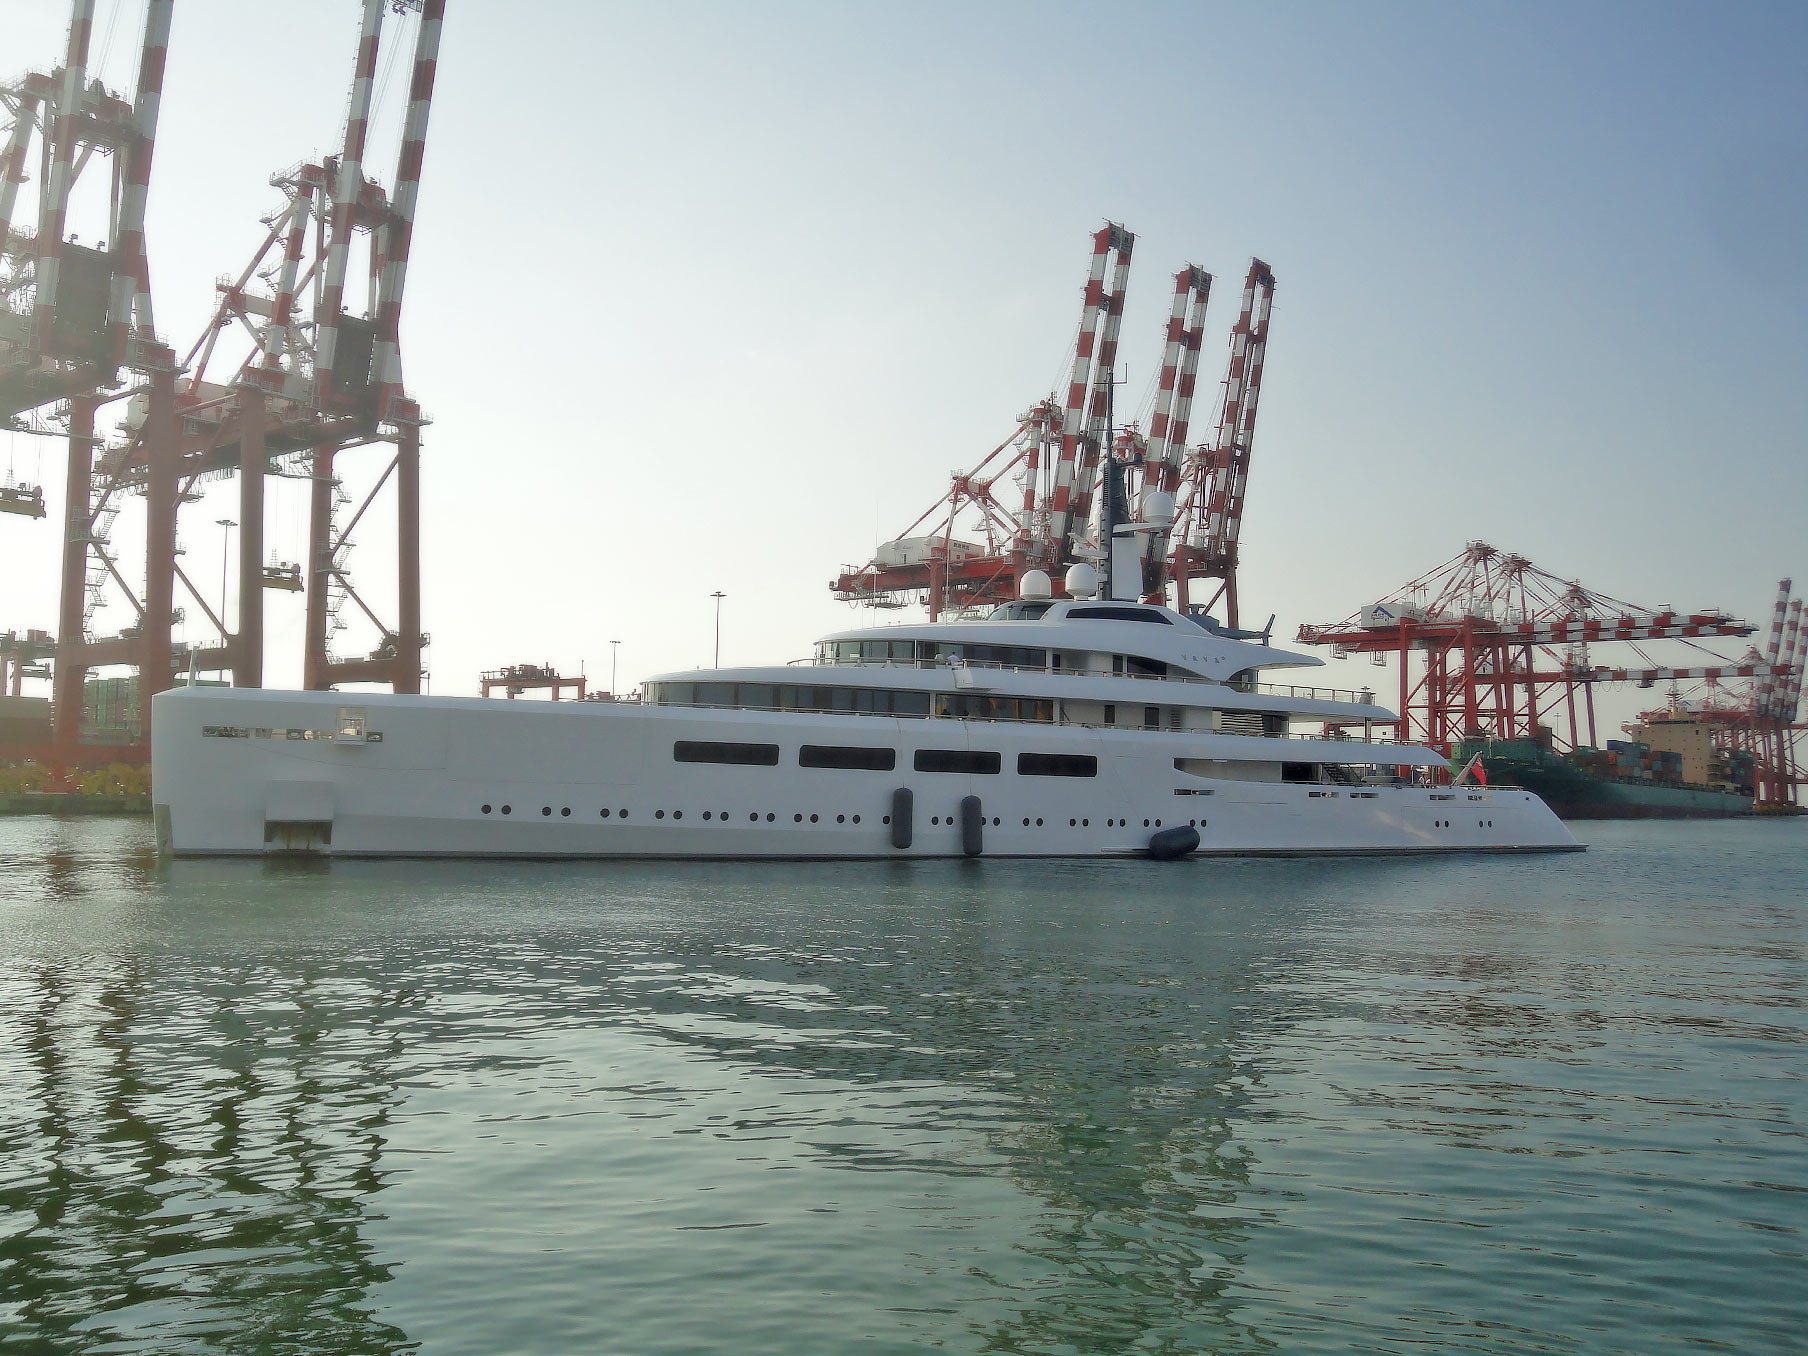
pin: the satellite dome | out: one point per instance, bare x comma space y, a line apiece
1035, 586
1082, 580
1158, 507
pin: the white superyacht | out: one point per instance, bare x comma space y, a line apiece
1087, 726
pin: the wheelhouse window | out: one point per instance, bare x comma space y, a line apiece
1057, 765
978, 761
1135, 614
847, 756
714, 751
1018, 611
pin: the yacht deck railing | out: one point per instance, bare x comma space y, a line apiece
1320, 694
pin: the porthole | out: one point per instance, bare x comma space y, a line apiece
886, 820
770, 816
677, 814
841, 819
486, 809
508, 809
1490, 823
565, 813
722, 814
1026, 823
813, 818
797, 819
753, 816
603, 813
1158, 823
546, 809
994, 821
935, 819
1145, 823
1086, 823
706, 814
856, 819
659, 814
1038, 823
1073, 823
621, 814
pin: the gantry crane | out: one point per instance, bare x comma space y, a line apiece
973, 546
1506, 651
321, 380
323, 377
1209, 521
77, 332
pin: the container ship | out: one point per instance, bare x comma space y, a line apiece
1669, 768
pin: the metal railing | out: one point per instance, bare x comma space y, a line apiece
1326, 694
1035, 720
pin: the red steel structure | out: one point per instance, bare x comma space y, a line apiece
1506, 655
1209, 521
975, 543
320, 382
77, 332
322, 378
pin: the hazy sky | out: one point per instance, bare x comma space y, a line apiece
715, 296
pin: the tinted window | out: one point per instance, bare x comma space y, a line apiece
847, 756
1057, 765
709, 751
1135, 614
957, 760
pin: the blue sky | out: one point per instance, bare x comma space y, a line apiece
715, 296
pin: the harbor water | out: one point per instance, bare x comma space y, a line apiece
1490, 1104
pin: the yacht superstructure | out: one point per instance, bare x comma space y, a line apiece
1051, 727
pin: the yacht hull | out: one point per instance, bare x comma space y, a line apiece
250, 772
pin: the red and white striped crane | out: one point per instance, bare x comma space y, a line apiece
1210, 513
1058, 453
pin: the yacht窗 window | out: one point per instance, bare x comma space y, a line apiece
848, 756
1135, 614
711, 751
1057, 765
979, 761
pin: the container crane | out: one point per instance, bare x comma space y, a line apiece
1210, 512
73, 316
1506, 651
321, 381
972, 547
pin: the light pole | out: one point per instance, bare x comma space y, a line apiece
225, 554
614, 652
718, 595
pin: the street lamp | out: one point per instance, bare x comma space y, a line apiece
718, 595
614, 653
225, 553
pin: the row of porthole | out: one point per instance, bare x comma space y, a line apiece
753, 816
1480, 824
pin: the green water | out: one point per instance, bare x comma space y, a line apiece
1469, 1105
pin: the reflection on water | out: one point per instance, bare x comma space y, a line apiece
1237, 1107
